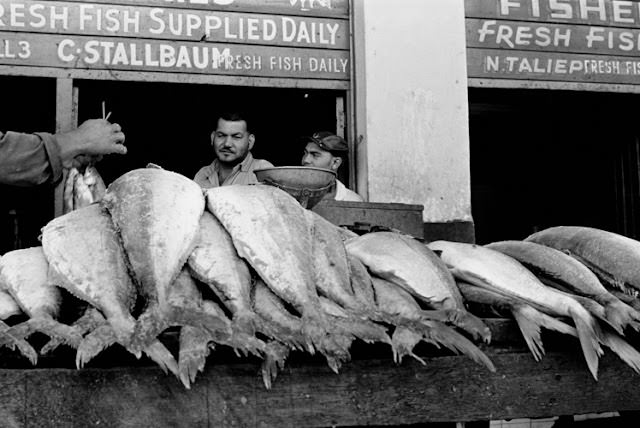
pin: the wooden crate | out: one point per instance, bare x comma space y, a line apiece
404, 217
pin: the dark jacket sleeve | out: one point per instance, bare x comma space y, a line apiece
29, 159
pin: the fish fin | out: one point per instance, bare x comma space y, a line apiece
626, 352
89, 321
530, 320
275, 356
194, 349
365, 330
200, 318
598, 311
15, 341
403, 341
621, 315
65, 334
448, 337
158, 353
604, 276
148, 326
244, 343
589, 334
468, 322
94, 343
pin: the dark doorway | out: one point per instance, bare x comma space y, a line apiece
546, 158
170, 124
28, 105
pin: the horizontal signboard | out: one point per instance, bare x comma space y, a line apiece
332, 8
615, 13
81, 52
497, 34
497, 64
589, 41
172, 24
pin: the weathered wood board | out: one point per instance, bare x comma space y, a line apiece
366, 392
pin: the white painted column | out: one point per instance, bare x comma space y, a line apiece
412, 131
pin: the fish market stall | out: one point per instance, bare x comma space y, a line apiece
300, 323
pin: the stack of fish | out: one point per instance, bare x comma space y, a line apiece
283, 279
279, 278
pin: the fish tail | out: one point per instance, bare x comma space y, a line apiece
469, 323
626, 352
621, 315
274, 358
94, 343
148, 326
194, 350
403, 341
364, 330
157, 352
200, 318
440, 333
89, 321
590, 335
11, 340
65, 334
334, 345
530, 320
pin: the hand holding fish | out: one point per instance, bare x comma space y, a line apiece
93, 137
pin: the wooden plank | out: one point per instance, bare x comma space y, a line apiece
308, 394
333, 8
202, 79
12, 396
491, 34
177, 57
499, 64
565, 86
57, 17
602, 12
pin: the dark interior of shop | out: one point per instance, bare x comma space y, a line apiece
28, 105
542, 158
170, 124
165, 124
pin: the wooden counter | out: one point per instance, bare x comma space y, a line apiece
368, 391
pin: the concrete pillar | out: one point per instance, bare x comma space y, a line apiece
412, 131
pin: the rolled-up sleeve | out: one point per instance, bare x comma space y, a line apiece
29, 159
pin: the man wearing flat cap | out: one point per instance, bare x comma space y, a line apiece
327, 150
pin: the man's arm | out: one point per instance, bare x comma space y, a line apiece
33, 159
29, 159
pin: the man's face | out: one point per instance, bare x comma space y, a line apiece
315, 156
231, 141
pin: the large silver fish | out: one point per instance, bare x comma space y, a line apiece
407, 263
271, 232
498, 272
561, 271
157, 214
215, 262
86, 259
613, 258
24, 275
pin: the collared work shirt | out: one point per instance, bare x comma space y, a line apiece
29, 159
242, 173
344, 194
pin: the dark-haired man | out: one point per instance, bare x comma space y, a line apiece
327, 150
232, 142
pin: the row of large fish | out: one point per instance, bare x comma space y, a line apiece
285, 279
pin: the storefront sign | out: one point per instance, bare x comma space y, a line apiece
176, 39
594, 41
